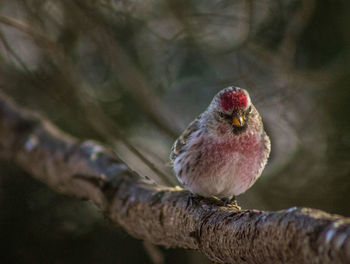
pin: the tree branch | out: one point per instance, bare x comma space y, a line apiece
162, 215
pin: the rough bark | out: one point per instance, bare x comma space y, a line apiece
162, 215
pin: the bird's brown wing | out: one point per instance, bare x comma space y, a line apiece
180, 143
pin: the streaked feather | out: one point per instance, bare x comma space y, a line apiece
180, 143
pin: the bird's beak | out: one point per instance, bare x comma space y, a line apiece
238, 121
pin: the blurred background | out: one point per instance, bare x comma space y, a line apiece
134, 73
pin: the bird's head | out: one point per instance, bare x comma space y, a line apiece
230, 112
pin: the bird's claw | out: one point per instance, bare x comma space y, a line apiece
231, 202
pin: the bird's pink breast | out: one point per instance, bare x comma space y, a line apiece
228, 167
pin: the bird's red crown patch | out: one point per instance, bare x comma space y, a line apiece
233, 100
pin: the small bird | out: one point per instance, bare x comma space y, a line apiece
224, 150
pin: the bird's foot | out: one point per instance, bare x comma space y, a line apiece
231, 202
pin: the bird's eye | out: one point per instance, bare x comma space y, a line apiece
249, 110
225, 116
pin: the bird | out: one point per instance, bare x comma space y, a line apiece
224, 150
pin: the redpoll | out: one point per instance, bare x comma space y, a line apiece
224, 150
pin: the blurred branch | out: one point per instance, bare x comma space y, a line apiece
154, 253
40, 39
161, 215
12, 52
107, 128
129, 75
295, 28
99, 121
287, 76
